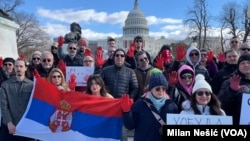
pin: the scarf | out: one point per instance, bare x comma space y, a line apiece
158, 103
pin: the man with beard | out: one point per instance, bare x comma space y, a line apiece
15, 94
82, 45
71, 59
47, 64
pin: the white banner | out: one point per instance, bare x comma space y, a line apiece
245, 108
186, 119
82, 74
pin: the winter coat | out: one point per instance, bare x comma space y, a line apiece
143, 121
120, 80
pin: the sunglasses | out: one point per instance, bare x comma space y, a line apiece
72, 48
203, 54
144, 59
160, 88
186, 76
234, 42
245, 49
35, 58
46, 60
8, 64
193, 54
200, 93
56, 76
138, 41
120, 55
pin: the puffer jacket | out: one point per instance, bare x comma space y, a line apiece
120, 80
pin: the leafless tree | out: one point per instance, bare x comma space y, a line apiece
246, 21
30, 34
230, 17
9, 6
198, 20
234, 17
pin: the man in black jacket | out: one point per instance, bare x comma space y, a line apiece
120, 80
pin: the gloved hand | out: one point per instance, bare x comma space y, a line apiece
60, 41
173, 78
235, 83
72, 82
1, 62
36, 74
180, 52
221, 57
210, 56
87, 52
131, 50
62, 66
22, 57
99, 57
126, 103
166, 55
159, 62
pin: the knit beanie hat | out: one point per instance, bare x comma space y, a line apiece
39, 53
157, 79
243, 57
9, 59
200, 82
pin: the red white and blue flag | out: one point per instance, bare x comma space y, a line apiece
54, 115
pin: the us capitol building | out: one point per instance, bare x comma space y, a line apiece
136, 24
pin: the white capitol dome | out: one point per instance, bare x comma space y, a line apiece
136, 23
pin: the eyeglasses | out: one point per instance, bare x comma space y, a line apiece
35, 59
160, 88
236, 42
56, 76
88, 61
138, 41
245, 49
144, 59
46, 60
54, 47
72, 48
120, 55
7, 64
200, 93
193, 54
186, 76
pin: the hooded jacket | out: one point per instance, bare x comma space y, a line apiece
198, 68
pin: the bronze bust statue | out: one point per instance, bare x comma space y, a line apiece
75, 33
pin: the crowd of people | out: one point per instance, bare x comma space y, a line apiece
211, 83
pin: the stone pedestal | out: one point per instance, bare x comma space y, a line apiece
8, 42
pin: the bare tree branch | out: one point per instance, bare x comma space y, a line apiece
198, 19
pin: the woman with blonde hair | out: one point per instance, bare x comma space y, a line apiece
57, 78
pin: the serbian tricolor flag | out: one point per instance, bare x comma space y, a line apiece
54, 115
